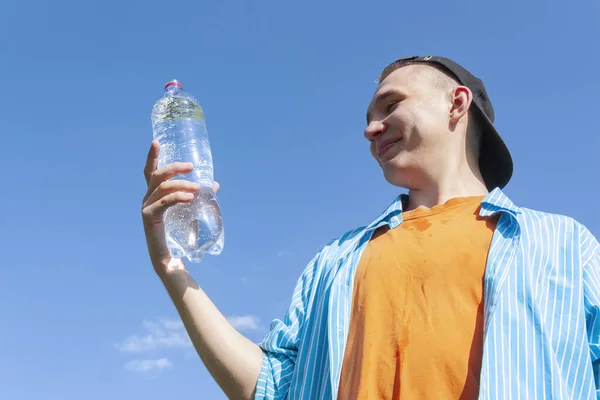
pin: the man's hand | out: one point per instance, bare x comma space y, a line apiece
162, 194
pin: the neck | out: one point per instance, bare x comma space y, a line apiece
465, 182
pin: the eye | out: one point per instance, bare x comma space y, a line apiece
391, 105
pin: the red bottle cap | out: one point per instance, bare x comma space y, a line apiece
174, 82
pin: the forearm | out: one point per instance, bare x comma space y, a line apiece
232, 360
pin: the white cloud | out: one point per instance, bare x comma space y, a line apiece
162, 333
172, 324
245, 322
148, 365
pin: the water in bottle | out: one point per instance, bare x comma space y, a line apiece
196, 228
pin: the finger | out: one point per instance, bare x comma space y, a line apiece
169, 187
151, 160
167, 172
216, 186
155, 211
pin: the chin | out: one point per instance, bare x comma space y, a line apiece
397, 177
397, 174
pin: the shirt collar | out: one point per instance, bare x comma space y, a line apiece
496, 201
392, 214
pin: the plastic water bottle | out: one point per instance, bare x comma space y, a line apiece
196, 228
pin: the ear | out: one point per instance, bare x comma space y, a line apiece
461, 98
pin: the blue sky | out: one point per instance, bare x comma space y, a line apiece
284, 87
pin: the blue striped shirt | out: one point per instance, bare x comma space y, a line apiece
541, 311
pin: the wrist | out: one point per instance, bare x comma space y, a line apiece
176, 278
169, 266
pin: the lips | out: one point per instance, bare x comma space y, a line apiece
385, 146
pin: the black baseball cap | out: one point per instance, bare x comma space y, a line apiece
495, 161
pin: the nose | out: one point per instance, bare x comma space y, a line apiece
374, 129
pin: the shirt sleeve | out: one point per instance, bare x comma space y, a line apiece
280, 345
590, 257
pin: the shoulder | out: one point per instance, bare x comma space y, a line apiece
338, 249
338, 246
544, 225
347, 240
550, 221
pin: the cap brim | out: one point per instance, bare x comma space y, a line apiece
495, 161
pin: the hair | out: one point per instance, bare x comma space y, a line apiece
444, 80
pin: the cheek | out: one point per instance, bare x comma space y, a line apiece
424, 129
432, 119
403, 122
373, 149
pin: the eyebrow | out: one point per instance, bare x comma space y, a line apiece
379, 97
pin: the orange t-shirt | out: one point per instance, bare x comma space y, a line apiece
417, 313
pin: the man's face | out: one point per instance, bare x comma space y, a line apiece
408, 125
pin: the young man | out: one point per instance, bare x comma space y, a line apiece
454, 292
